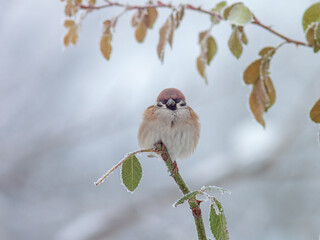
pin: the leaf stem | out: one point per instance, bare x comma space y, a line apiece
101, 179
193, 203
160, 4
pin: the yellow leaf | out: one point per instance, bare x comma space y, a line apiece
74, 35
106, 27
201, 65
66, 39
141, 31
164, 34
105, 45
70, 9
69, 23
92, 2
258, 101
315, 112
252, 72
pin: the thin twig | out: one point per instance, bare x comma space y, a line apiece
193, 8
288, 40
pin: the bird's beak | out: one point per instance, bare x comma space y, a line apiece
171, 104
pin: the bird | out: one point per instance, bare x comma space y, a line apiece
170, 121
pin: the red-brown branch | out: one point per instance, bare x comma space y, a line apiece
160, 4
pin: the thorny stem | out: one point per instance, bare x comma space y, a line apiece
193, 8
193, 203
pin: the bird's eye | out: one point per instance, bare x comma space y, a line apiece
183, 104
159, 104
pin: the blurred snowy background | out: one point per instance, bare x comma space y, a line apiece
68, 115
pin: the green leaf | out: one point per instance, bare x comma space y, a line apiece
228, 9
212, 49
131, 173
235, 44
311, 15
220, 6
218, 223
211, 189
244, 38
185, 198
310, 34
252, 72
315, 112
240, 15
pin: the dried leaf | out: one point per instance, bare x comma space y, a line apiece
135, 18
164, 34
150, 17
252, 72
270, 91
69, 23
259, 101
315, 112
172, 28
179, 15
202, 35
235, 44
311, 15
141, 31
201, 65
105, 45
211, 49
267, 52
239, 15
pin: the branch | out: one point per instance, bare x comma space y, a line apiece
288, 40
193, 8
193, 203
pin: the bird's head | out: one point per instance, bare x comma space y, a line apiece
172, 99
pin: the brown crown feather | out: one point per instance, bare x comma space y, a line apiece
172, 93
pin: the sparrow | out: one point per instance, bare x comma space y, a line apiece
172, 122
